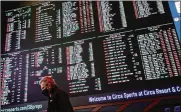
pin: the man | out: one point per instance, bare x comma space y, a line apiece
58, 99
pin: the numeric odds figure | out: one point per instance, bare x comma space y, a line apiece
58, 99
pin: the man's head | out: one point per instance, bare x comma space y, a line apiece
47, 83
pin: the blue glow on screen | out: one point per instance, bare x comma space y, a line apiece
175, 11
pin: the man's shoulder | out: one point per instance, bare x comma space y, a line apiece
61, 92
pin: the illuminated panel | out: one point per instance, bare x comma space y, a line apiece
17, 28
21, 72
58, 23
44, 21
121, 58
75, 12
44, 61
145, 9
79, 69
13, 77
86, 16
111, 16
26, 78
112, 57
70, 23
160, 52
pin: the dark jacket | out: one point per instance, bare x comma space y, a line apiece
59, 101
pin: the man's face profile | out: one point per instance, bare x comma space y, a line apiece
43, 86
45, 89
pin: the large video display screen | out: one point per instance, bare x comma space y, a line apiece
90, 47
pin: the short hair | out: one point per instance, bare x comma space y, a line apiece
48, 79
